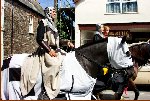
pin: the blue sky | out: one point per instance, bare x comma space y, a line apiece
46, 3
64, 3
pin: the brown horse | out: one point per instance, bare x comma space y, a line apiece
140, 54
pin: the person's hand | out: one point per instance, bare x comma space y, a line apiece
70, 44
52, 53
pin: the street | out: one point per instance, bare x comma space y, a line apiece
144, 95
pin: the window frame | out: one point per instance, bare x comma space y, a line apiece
121, 9
30, 24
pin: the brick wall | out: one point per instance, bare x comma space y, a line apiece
23, 42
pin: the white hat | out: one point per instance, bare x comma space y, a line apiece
98, 26
48, 10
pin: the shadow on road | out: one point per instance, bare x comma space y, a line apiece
108, 97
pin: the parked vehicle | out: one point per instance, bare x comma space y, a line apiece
143, 75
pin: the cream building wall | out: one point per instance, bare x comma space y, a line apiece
94, 11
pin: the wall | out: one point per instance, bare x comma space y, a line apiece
17, 39
94, 11
2, 31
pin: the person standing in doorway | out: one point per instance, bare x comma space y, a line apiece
102, 76
99, 32
106, 31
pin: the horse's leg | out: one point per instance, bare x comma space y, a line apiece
98, 88
136, 91
101, 84
132, 84
98, 93
118, 96
134, 88
119, 92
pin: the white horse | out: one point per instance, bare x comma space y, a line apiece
77, 73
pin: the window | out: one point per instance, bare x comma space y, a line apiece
121, 6
86, 36
30, 24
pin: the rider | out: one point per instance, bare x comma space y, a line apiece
49, 57
48, 39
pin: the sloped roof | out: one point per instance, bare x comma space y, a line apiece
75, 1
34, 5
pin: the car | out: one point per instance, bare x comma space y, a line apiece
143, 76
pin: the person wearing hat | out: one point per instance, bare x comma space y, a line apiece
47, 59
48, 39
99, 32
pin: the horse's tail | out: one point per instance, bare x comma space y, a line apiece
6, 63
4, 76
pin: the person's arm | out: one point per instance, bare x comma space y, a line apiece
95, 38
40, 41
40, 37
66, 42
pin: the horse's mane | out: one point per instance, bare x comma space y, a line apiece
140, 52
92, 43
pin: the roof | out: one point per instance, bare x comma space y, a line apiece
34, 5
75, 1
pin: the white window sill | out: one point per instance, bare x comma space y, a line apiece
121, 13
130, 13
31, 33
111, 13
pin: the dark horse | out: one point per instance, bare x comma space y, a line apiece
89, 56
140, 53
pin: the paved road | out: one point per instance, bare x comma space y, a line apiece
144, 95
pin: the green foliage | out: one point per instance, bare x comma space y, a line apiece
61, 26
65, 19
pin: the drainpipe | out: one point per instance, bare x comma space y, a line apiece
56, 9
12, 36
2, 31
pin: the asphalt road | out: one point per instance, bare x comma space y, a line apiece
144, 95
